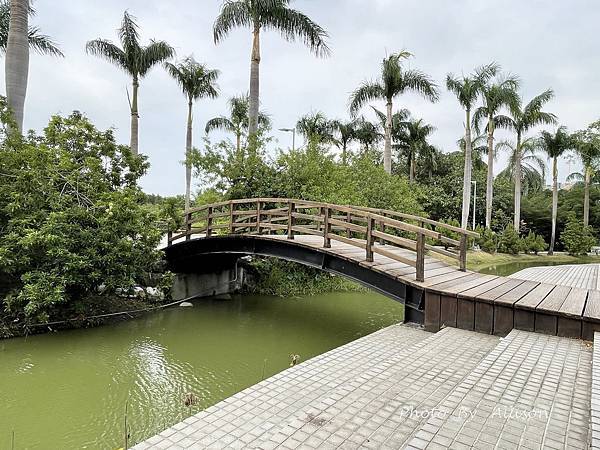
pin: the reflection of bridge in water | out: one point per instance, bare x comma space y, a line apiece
402, 387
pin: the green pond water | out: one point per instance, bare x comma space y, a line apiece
70, 389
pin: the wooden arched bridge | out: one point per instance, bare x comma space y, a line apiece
388, 251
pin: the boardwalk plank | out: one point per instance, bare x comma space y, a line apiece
498, 291
554, 299
491, 284
534, 297
514, 295
463, 284
574, 303
592, 307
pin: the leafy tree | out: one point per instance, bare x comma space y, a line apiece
509, 241
533, 243
531, 167
134, 59
501, 92
488, 239
196, 81
367, 134
522, 119
73, 219
577, 238
587, 147
467, 90
237, 122
554, 145
38, 42
267, 14
394, 81
16, 65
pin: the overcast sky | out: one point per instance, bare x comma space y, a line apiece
547, 43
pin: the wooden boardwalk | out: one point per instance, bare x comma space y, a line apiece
474, 301
583, 276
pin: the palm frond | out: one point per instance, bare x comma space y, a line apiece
220, 123
234, 13
422, 84
154, 53
129, 34
109, 51
292, 25
42, 43
367, 92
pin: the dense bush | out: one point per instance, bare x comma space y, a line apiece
509, 241
72, 218
577, 238
533, 243
488, 240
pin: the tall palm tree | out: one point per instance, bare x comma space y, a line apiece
496, 95
587, 147
346, 133
531, 169
467, 90
134, 59
412, 141
316, 128
39, 43
16, 65
554, 145
394, 81
522, 119
267, 14
196, 81
237, 122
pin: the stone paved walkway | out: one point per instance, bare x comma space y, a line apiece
404, 388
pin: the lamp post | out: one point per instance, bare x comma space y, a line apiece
474, 201
293, 131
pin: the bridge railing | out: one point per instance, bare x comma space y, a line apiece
370, 229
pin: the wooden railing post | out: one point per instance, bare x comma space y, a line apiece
169, 238
188, 226
463, 252
290, 224
382, 229
326, 228
369, 238
420, 262
258, 214
231, 205
349, 220
209, 221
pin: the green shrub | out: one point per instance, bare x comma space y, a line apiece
509, 241
577, 238
449, 233
533, 243
488, 240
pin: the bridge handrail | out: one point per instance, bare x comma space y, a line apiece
331, 218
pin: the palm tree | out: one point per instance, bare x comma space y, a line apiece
196, 81
346, 132
237, 122
495, 96
467, 90
367, 134
134, 59
267, 14
554, 145
316, 128
40, 43
394, 81
532, 168
587, 147
522, 119
16, 65
412, 141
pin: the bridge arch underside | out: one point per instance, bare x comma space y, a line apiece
207, 254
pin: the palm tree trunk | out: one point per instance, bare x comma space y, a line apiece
554, 204
586, 197
466, 200
188, 156
489, 188
254, 84
411, 169
344, 154
387, 150
517, 200
238, 142
17, 59
133, 144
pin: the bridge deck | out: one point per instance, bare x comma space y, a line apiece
475, 301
